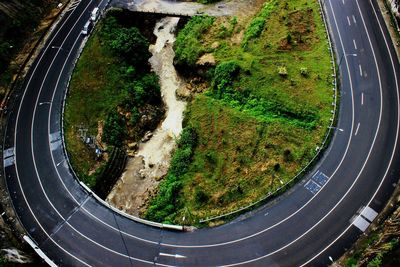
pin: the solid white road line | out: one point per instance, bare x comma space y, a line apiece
306, 204
398, 123
15, 138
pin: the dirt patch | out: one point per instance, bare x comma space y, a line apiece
301, 26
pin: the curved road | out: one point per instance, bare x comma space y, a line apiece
321, 217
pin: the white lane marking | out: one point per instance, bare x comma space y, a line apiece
348, 21
362, 99
358, 127
361, 223
355, 44
343, 2
398, 123
15, 138
359, 174
369, 214
8, 152
73, 5
308, 202
177, 256
354, 19
9, 161
361, 71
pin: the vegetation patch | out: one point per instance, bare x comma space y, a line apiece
266, 110
113, 97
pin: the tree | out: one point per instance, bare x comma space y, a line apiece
130, 44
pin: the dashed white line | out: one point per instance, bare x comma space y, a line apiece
361, 71
362, 99
358, 127
355, 44
354, 19
348, 21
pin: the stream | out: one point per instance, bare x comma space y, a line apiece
151, 162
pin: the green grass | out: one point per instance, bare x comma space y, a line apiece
256, 128
109, 91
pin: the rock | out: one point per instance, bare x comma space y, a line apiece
206, 60
147, 136
215, 45
184, 92
133, 146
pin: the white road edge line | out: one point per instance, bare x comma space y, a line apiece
397, 132
306, 204
16, 165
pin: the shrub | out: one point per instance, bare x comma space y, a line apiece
164, 205
257, 25
224, 75
187, 45
114, 129
304, 71
282, 71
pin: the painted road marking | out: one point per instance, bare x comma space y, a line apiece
348, 21
361, 72
73, 5
369, 214
355, 44
9, 161
321, 178
55, 140
8, 152
358, 127
354, 20
177, 256
362, 99
312, 186
55, 136
361, 223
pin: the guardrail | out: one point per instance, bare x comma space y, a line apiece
39, 251
320, 149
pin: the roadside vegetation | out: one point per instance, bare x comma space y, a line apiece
380, 246
113, 97
18, 20
266, 109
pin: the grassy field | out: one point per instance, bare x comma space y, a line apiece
266, 111
110, 91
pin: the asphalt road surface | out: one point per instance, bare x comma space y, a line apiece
317, 220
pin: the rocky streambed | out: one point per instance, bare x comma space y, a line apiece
151, 161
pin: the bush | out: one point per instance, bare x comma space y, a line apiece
224, 75
282, 71
187, 45
304, 71
114, 129
257, 25
164, 205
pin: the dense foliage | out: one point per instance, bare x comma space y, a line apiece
112, 90
265, 112
18, 19
163, 207
188, 47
